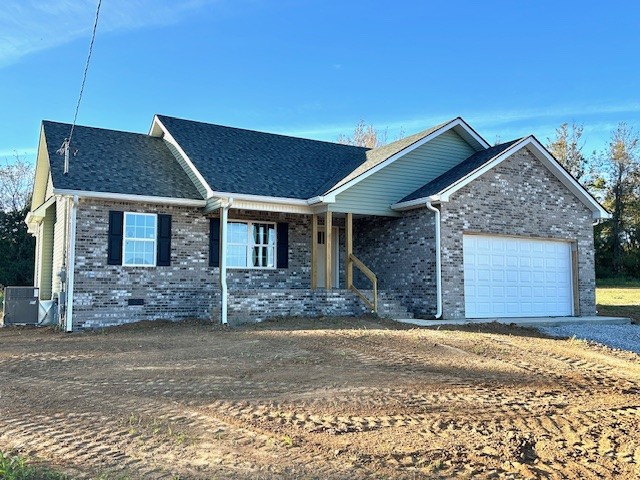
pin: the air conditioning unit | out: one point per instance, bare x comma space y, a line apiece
21, 305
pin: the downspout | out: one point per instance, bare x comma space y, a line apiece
438, 260
224, 214
71, 265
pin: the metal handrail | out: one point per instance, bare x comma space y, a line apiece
373, 305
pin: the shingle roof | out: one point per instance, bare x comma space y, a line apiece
116, 162
245, 161
378, 155
451, 176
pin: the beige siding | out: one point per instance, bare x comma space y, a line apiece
59, 242
49, 192
46, 253
36, 270
186, 168
375, 194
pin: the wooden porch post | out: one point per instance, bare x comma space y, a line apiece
328, 230
314, 251
349, 247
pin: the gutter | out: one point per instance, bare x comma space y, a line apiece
125, 197
224, 215
71, 265
430, 206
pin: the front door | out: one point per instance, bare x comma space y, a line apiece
320, 270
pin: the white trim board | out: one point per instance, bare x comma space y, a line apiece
169, 138
125, 197
541, 153
461, 127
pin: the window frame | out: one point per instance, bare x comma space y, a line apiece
148, 240
251, 244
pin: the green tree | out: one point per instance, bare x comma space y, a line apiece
617, 239
17, 246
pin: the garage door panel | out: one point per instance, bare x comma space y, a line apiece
519, 277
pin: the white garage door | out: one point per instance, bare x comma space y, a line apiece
516, 277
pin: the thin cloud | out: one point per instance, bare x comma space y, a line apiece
29, 26
506, 124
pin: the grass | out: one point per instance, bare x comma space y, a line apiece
618, 298
16, 467
618, 282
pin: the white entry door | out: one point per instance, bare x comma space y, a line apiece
516, 277
320, 270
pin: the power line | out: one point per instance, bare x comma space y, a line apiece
84, 78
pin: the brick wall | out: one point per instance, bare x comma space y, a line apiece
256, 306
401, 252
518, 197
189, 288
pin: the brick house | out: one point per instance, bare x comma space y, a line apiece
205, 221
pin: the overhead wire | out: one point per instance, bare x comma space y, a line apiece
64, 149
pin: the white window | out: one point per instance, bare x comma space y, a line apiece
139, 247
251, 245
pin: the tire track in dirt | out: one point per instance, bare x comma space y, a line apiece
443, 420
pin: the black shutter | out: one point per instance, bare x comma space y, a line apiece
283, 245
164, 241
114, 248
214, 242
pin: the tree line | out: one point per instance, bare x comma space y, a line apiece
613, 177
17, 246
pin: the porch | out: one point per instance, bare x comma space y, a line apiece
322, 275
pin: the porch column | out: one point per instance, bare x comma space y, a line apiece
224, 215
327, 248
349, 247
314, 251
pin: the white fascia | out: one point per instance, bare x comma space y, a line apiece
260, 202
169, 138
260, 198
125, 197
463, 129
541, 154
417, 203
35, 217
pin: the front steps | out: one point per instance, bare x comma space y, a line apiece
389, 304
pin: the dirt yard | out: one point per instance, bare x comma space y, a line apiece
318, 399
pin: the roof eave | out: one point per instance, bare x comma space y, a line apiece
416, 203
128, 197
542, 154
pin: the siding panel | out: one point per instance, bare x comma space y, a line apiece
47, 253
59, 242
375, 194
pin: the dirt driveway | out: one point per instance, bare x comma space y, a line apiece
318, 399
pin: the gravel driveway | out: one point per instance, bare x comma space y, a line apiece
625, 337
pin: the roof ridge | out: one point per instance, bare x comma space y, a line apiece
97, 128
421, 134
160, 116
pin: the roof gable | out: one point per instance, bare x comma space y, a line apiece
441, 188
115, 162
376, 193
379, 158
42, 173
458, 172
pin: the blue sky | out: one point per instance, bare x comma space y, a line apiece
314, 68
